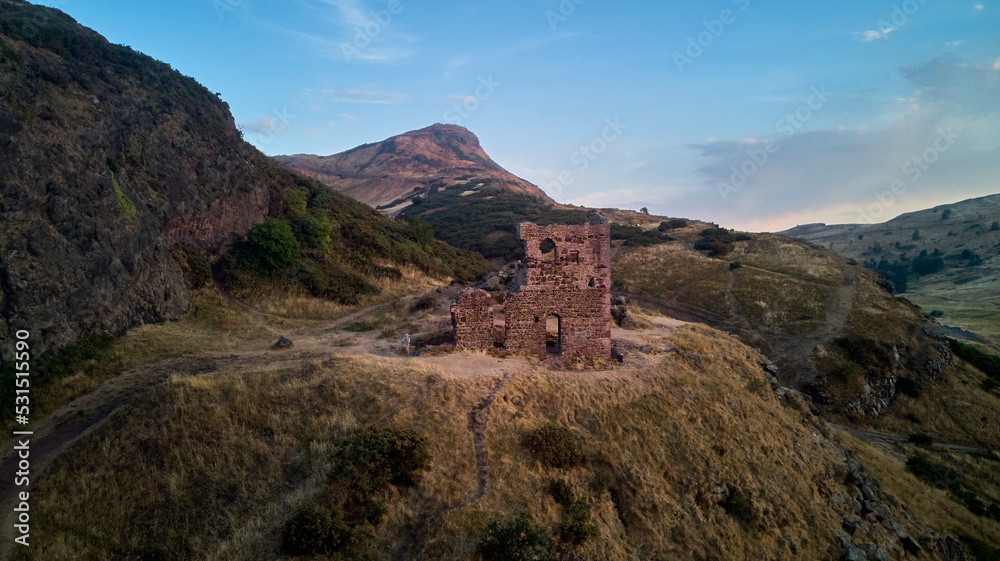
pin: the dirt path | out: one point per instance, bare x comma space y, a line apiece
838, 309
477, 426
890, 439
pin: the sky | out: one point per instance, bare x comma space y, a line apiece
756, 115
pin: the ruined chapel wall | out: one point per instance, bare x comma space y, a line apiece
472, 316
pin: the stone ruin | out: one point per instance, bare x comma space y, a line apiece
558, 303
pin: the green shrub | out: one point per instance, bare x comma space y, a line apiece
986, 363
314, 531
920, 439
576, 527
908, 387
313, 231
604, 478
420, 231
848, 371
376, 457
425, 302
562, 492
296, 201
672, 224
375, 511
554, 446
636, 236
271, 247
514, 539
739, 507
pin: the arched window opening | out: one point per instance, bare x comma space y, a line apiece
548, 249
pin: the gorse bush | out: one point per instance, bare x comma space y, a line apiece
315, 531
554, 446
672, 224
562, 492
515, 539
576, 528
739, 506
635, 236
718, 242
376, 457
271, 247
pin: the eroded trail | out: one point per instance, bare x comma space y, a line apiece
478, 418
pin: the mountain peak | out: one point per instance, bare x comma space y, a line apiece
389, 174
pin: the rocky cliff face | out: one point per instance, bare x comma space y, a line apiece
108, 159
390, 174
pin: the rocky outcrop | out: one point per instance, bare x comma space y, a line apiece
108, 159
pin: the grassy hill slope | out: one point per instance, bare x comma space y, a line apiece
958, 276
682, 454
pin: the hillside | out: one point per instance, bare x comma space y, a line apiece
958, 278
122, 179
683, 452
391, 174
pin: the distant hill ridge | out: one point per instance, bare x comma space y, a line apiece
391, 173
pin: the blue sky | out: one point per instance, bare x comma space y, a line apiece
756, 115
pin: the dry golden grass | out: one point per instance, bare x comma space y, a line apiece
877, 315
670, 271
778, 303
783, 255
217, 462
210, 325
280, 301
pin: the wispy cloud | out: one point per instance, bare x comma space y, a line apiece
350, 30
462, 98
874, 34
825, 175
365, 96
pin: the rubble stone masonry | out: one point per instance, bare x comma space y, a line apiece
571, 282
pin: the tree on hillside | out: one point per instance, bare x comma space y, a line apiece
916, 235
644, 210
946, 214
995, 226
